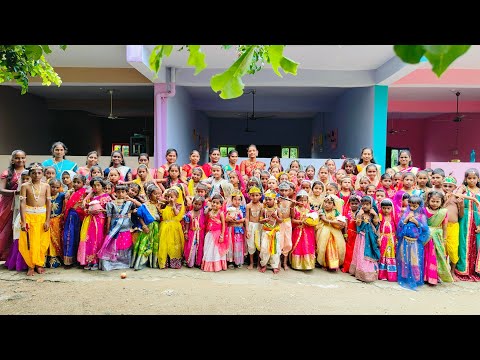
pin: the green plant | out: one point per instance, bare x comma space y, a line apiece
20, 62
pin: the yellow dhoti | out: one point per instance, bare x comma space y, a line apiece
453, 234
33, 244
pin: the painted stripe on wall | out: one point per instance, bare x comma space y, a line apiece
380, 124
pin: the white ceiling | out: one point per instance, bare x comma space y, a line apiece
315, 60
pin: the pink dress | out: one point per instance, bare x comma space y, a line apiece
193, 251
92, 233
302, 255
387, 265
214, 252
6, 217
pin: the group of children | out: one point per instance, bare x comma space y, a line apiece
406, 225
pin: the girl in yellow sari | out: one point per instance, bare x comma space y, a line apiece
172, 238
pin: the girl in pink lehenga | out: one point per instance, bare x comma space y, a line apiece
302, 255
9, 181
215, 246
194, 221
92, 233
388, 241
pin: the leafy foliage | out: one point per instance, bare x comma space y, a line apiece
20, 62
251, 59
440, 56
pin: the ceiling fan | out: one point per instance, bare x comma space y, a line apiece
394, 131
458, 117
251, 116
110, 116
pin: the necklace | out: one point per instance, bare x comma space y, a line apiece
36, 196
55, 165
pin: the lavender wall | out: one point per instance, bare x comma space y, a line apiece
182, 121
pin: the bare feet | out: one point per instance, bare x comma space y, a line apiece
30, 272
262, 269
250, 266
39, 269
275, 270
455, 277
285, 267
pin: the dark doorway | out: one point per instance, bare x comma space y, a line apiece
264, 151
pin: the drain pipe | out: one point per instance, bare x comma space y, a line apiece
163, 91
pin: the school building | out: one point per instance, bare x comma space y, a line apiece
344, 98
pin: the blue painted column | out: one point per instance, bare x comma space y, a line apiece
380, 109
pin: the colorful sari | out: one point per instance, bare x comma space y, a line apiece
92, 233
302, 256
468, 266
387, 265
235, 236
146, 246
55, 250
410, 241
435, 255
193, 251
6, 216
116, 251
330, 243
60, 167
351, 237
74, 215
214, 251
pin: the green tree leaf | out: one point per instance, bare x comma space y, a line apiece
229, 83
441, 56
46, 49
196, 58
34, 51
157, 55
63, 47
411, 54
276, 59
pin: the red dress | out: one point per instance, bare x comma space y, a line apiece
351, 236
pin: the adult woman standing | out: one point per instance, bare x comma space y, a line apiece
118, 162
248, 166
92, 160
214, 154
59, 150
171, 156
232, 162
9, 187
366, 158
405, 163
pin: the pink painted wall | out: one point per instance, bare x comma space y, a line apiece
433, 139
412, 139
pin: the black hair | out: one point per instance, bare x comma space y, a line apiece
361, 152
435, 193
405, 196
121, 187
134, 185
218, 197
386, 202
350, 161
353, 198
36, 164
11, 168
366, 198
198, 198
385, 176
471, 171
318, 182
371, 165
57, 143
439, 171
310, 167
212, 150
231, 152
90, 153
98, 167
54, 181
99, 179
428, 170
171, 150
408, 153
334, 185
408, 173
415, 200
111, 157
381, 190
80, 177
424, 172
143, 154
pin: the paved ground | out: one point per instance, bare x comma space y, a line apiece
239, 291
